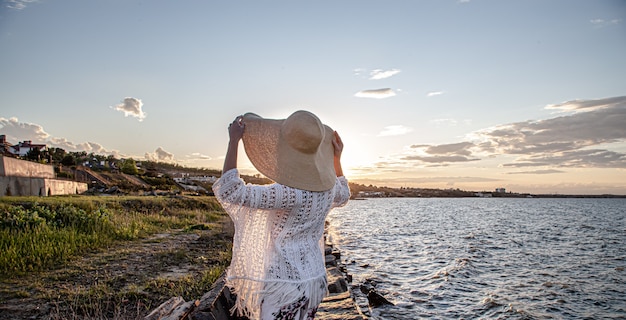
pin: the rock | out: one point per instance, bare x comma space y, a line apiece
336, 282
376, 300
339, 306
331, 261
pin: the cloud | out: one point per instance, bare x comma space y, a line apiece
603, 23
198, 156
578, 140
395, 130
461, 148
359, 71
434, 93
594, 158
546, 171
376, 93
379, 74
92, 147
588, 105
440, 159
16, 130
160, 155
602, 123
441, 154
450, 122
131, 107
19, 4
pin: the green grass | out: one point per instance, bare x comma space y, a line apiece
39, 233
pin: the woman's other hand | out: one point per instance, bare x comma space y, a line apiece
338, 147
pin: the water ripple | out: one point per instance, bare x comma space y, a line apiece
488, 258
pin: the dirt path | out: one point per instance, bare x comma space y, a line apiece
123, 282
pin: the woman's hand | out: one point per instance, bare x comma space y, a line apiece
235, 132
338, 147
235, 129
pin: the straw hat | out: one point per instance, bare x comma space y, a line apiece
296, 152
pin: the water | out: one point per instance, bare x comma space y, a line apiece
488, 258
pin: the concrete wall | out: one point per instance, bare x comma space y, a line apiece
58, 187
11, 167
20, 186
26, 178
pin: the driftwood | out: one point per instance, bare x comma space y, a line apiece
172, 309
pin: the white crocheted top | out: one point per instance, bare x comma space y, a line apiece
277, 247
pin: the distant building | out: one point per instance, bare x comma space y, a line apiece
210, 179
189, 180
500, 190
483, 195
376, 194
23, 148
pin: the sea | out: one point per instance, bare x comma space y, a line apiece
485, 258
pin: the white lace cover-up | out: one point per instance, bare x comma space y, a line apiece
277, 254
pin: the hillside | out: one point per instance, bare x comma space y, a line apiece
158, 177
153, 177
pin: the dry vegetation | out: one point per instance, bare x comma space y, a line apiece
146, 250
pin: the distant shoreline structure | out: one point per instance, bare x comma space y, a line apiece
360, 192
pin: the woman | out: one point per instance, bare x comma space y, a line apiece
277, 269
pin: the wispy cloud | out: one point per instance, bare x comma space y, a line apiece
450, 122
379, 74
395, 130
546, 171
603, 23
587, 105
359, 71
376, 93
131, 107
160, 155
578, 140
434, 93
444, 153
593, 158
18, 4
198, 156
375, 74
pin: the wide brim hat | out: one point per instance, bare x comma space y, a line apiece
297, 152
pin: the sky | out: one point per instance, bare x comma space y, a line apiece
527, 95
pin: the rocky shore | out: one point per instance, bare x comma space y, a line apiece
215, 304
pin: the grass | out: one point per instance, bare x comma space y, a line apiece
43, 241
40, 233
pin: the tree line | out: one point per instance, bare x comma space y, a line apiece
56, 156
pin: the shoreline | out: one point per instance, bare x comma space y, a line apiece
341, 301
